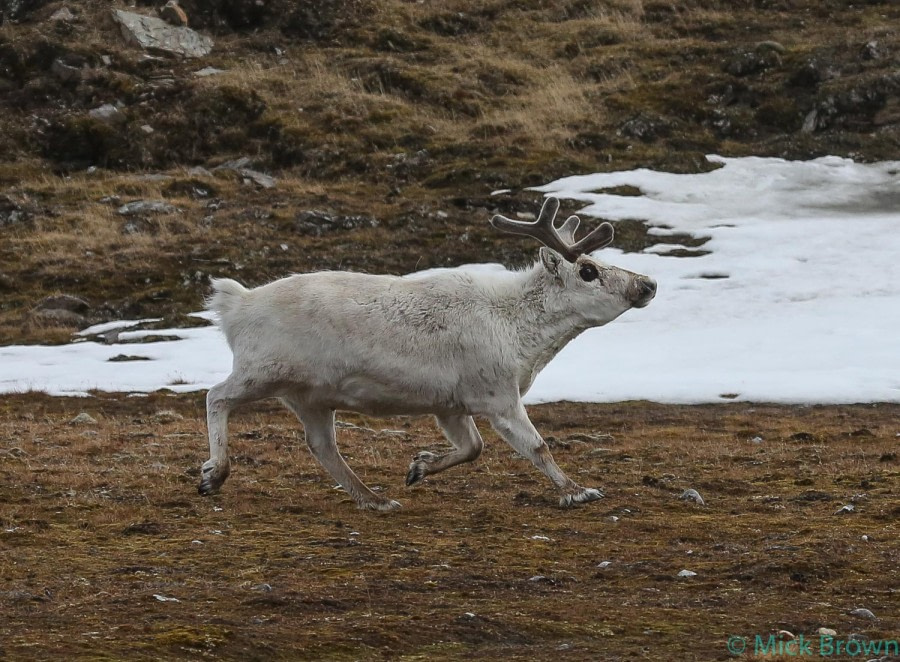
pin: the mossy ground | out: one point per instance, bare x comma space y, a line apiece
411, 113
480, 563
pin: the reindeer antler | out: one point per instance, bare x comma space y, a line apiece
561, 240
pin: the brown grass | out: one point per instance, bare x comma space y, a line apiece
99, 519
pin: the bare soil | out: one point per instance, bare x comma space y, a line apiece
107, 552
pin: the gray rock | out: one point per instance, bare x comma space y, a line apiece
254, 177
208, 71
65, 72
154, 34
107, 113
83, 419
64, 14
249, 176
692, 495
845, 510
687, 573
809, 122
863, 613
146, 207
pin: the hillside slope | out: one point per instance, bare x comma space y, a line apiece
387, 124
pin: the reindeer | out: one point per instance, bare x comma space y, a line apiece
455, 343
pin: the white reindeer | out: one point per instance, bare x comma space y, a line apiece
454, 343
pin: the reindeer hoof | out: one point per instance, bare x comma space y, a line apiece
382, 506
583, 496
417, 468
212, 476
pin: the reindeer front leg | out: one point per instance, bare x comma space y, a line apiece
517, 430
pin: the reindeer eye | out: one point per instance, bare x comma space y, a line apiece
588, 272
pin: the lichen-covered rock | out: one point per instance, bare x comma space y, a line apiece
154, 34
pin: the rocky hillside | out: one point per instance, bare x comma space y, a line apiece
369, 134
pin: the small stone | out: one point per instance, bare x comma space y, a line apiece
173, 14
146, 128
863, 613
107, 113
163, 598
687, 573
692, 495
809, 122
64, 71
83, 419
604, 564
845, 510
64, 15
208, 71
265, 588
612, 518
871, 51
146, 207
826, 632
260, 179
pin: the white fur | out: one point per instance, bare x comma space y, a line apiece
453, 343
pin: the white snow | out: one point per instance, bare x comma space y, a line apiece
808, 310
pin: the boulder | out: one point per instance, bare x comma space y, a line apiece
154, 34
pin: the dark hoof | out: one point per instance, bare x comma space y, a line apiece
212, 476
585, 495
417, 469
416, 473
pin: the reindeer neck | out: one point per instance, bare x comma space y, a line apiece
542, 329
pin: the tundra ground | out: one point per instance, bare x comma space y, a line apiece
107, 552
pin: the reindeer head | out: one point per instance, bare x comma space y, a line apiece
599, 291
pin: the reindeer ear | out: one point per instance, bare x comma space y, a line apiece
552, 261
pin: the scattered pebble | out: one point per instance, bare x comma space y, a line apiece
83, 419
163, 598
692, 495
687, 573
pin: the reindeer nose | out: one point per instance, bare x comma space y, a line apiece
645, 290
646, 286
